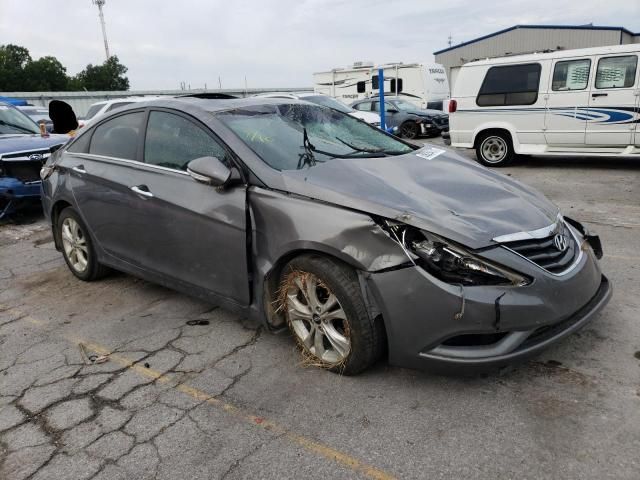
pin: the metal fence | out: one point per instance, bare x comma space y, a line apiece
81, 101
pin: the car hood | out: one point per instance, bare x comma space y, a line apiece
20, 143
425, 112
368, 117
439, 191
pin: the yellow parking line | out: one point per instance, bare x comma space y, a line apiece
325, 451
624, 257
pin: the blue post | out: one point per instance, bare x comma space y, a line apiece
383, 124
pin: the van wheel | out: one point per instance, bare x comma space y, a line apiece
494, 149
409, 130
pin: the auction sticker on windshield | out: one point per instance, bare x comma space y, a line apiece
429, 152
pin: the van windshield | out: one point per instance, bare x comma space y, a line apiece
292, 136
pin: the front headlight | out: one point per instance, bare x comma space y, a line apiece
451, 262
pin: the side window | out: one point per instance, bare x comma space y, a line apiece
571, 75
118, 137
113, 106
387, 106
510, 85
616, 72
173, 141
364, 106
360, 87
80, 144
393, 85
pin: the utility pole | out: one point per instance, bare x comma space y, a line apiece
100, 4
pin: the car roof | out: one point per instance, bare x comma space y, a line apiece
213, 105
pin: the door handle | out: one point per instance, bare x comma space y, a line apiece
79, 169
599, 95
142, 190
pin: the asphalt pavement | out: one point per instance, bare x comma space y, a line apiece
123, 379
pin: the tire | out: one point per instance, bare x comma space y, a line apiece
77, 247
494, 149
409, 130
319, 278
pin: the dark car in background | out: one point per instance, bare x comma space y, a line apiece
23, 151
302, 216
411, 121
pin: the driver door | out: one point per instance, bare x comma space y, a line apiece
187, 230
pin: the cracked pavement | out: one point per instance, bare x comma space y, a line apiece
229, 400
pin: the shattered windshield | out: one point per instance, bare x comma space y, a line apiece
292, 136
13, 121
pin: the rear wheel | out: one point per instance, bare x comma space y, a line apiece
494, 149
77, 247
326, 314
409, 130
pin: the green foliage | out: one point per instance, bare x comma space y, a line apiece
20, 73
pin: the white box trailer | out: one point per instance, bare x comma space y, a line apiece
424, 84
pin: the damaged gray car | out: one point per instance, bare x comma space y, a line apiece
307, 218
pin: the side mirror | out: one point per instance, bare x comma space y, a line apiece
209, 170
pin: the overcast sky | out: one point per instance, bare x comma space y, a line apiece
273, 42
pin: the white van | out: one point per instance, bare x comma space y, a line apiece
423, 84
571, 102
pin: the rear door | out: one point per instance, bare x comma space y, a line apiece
101, 165
567, 98
612, 101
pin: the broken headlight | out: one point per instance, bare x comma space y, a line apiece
450, 262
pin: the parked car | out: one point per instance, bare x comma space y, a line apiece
23, 151
96, 110
410, 120
369, 117
300, 215
568, 102
38, 115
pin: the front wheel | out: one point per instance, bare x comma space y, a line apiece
326, 313
409, 130
494, 149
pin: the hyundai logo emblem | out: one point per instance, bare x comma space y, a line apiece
560, 241
35, 156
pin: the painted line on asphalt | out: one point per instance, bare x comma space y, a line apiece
240, 413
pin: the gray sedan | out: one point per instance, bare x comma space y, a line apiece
306, 218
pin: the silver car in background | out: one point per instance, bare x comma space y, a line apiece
303, 217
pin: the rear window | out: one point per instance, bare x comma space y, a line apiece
510, 85
93, 110
118, 137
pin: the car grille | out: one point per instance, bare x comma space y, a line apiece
441, 121
20, 166
544, 252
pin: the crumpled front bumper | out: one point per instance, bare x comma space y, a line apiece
438, 326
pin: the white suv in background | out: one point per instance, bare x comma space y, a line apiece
100, 108
369, 117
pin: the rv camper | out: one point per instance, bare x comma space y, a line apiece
424, 84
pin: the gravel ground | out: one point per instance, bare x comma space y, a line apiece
228, 400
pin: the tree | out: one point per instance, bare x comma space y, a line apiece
13, 60
108, 76
45, 74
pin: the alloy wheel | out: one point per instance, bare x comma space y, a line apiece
317, 318
75, 246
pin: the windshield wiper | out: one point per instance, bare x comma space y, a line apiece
306, 158
13, 125
370, 150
